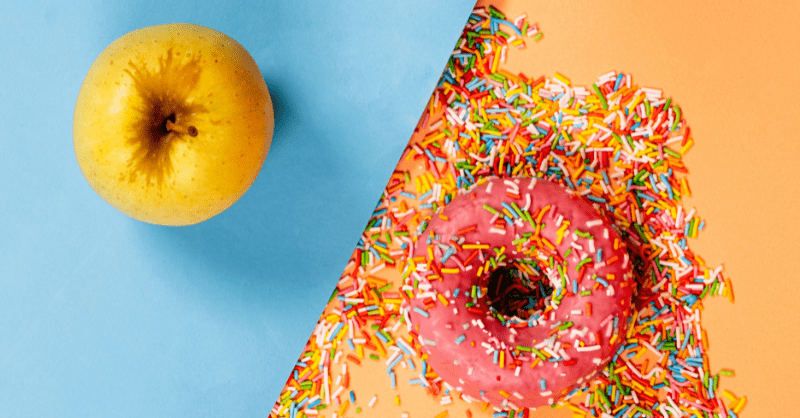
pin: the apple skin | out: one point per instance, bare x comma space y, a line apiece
172, 123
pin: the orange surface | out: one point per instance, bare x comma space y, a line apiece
729, 66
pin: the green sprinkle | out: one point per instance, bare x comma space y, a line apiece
677, 117
490, 209
600, 95
582, 263
538, 353
372, 356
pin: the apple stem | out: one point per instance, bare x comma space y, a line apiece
174, 127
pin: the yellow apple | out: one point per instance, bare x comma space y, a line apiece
172, 123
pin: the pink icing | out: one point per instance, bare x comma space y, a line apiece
448, 332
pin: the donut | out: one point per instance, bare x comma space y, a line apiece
519, 292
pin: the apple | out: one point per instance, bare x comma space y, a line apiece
172, 123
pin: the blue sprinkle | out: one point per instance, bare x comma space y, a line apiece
428, 193
393, 363
496, 358
507, 23
419, 311
460, 339
510, 210
601, 281
644, 196
599, 255
410, 364
618, 83
450, 251
337, 328
543, 384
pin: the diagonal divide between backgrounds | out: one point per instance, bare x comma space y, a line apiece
384, 159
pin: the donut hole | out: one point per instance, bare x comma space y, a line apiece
513, 293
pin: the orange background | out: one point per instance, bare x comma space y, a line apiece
731, 66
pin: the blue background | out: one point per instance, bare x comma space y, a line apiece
102, 315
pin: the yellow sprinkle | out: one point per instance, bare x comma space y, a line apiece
395, 301
475, 246
576, 409
686, 147
442, 414
503, 393
343, 408
730, 395
378, 344
562, 79
450, 270
441, 296
740, 405
436, 137
397, 400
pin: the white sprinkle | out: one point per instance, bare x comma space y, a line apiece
590, 348
595, 222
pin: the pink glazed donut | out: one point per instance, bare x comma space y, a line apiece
520, 292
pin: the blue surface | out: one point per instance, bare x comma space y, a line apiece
102, 315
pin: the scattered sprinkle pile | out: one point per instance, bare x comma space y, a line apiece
618, 144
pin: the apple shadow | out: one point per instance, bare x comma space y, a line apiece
285, 118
